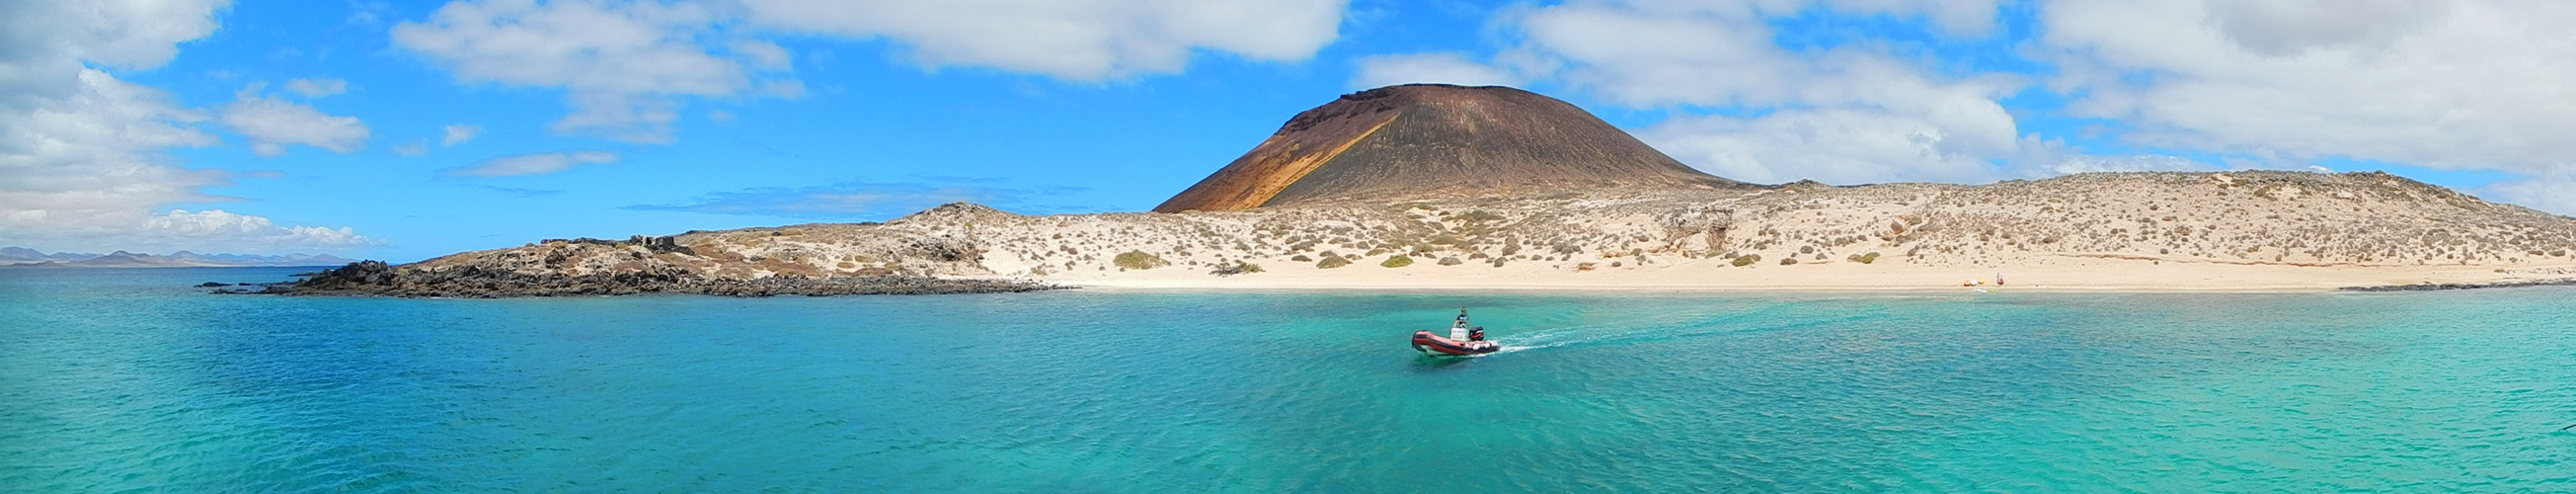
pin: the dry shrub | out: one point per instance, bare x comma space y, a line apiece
1237, 268
1137, 259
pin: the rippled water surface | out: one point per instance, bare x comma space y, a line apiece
127, 379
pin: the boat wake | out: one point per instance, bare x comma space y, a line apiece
1693, 326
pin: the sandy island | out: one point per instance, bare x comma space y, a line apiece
1457, 188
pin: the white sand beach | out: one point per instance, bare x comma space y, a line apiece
2074, 274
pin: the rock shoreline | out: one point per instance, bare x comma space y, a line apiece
2426, 287
375, 278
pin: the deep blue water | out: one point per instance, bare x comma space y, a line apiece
129, 380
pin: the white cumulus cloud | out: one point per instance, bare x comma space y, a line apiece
2451, 84
94, 157
532, 164
627, 67
272, 124
1848, 145
1083, 40
215, 229
83, 159
2455, 84
621, 63
1845, 115
2553, 191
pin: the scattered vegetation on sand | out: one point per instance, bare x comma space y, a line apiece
2279, 218
1137, 259
1397, 261
1237, 268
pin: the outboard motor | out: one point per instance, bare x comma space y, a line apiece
1476, 333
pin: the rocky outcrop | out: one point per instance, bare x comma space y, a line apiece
375, 278
2428, 287
1437, 141
947, 249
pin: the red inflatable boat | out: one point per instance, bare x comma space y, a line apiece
1434, 345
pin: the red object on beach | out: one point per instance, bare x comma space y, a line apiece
1435, 345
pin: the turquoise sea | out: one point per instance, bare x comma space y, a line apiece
129, 380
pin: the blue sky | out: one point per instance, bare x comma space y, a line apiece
403, 131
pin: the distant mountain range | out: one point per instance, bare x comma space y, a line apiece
25, 257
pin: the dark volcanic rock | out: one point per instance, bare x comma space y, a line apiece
948, 249
356, 275
2426, 287
1432, 141
375, 278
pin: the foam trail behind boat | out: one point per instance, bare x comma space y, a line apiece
1687, 326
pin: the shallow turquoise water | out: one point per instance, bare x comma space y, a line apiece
117, 380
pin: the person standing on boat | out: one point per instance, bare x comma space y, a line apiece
1458, 332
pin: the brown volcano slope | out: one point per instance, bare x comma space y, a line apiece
1437, 141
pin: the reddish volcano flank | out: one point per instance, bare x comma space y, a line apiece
1433, 141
